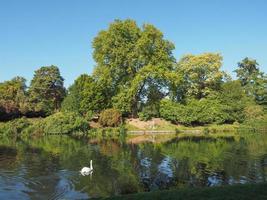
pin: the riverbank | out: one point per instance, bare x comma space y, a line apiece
77, 126
240, 192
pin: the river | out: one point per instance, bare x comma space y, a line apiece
48, 167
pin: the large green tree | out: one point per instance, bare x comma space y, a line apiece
121, 52
46, 90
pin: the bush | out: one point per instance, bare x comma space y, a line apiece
110, 117
58, 123
195, 112
64, 123
15, 126
255, 124
254, 112
148, 112
89, 115
144, 116
170, 110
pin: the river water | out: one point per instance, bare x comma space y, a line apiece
48, 167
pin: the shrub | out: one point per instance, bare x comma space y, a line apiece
110, 117
148, 112
15, 126
89, 115
58, 123
254, 112
195, 112
64, 123
143, 116
170, 110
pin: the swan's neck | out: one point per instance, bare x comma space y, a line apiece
91, 164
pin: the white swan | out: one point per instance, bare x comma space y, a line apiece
87, 170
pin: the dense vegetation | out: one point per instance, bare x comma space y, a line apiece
136, 75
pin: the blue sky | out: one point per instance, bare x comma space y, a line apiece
40, 33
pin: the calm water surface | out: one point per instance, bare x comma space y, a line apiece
48, 168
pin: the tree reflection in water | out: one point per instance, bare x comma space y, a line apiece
49, 167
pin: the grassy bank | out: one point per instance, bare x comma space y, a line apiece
236, 192
79, 127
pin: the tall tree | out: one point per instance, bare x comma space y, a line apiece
201, 74
46, 90
253, 80
121, 52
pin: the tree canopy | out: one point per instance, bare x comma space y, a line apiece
126, 57
253, 80
136, 74
13, 100
46, 90
201, 74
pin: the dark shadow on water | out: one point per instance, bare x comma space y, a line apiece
8, 151
201, 138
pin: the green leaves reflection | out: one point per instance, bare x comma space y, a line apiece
128, 168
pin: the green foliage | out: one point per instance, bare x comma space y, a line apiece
201, 74
14, 127
46, 90
89, 116
64, 123
230, 104
137, 74
258, 124
144, 116
170, 110
254, 112
247, 71
58, 123
126, 58
72, 102
86, 95
95, 96
195, 112
13, 98
253, 80
233, 101
110, 117
149, 111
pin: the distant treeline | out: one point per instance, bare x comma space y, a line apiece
137, 74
